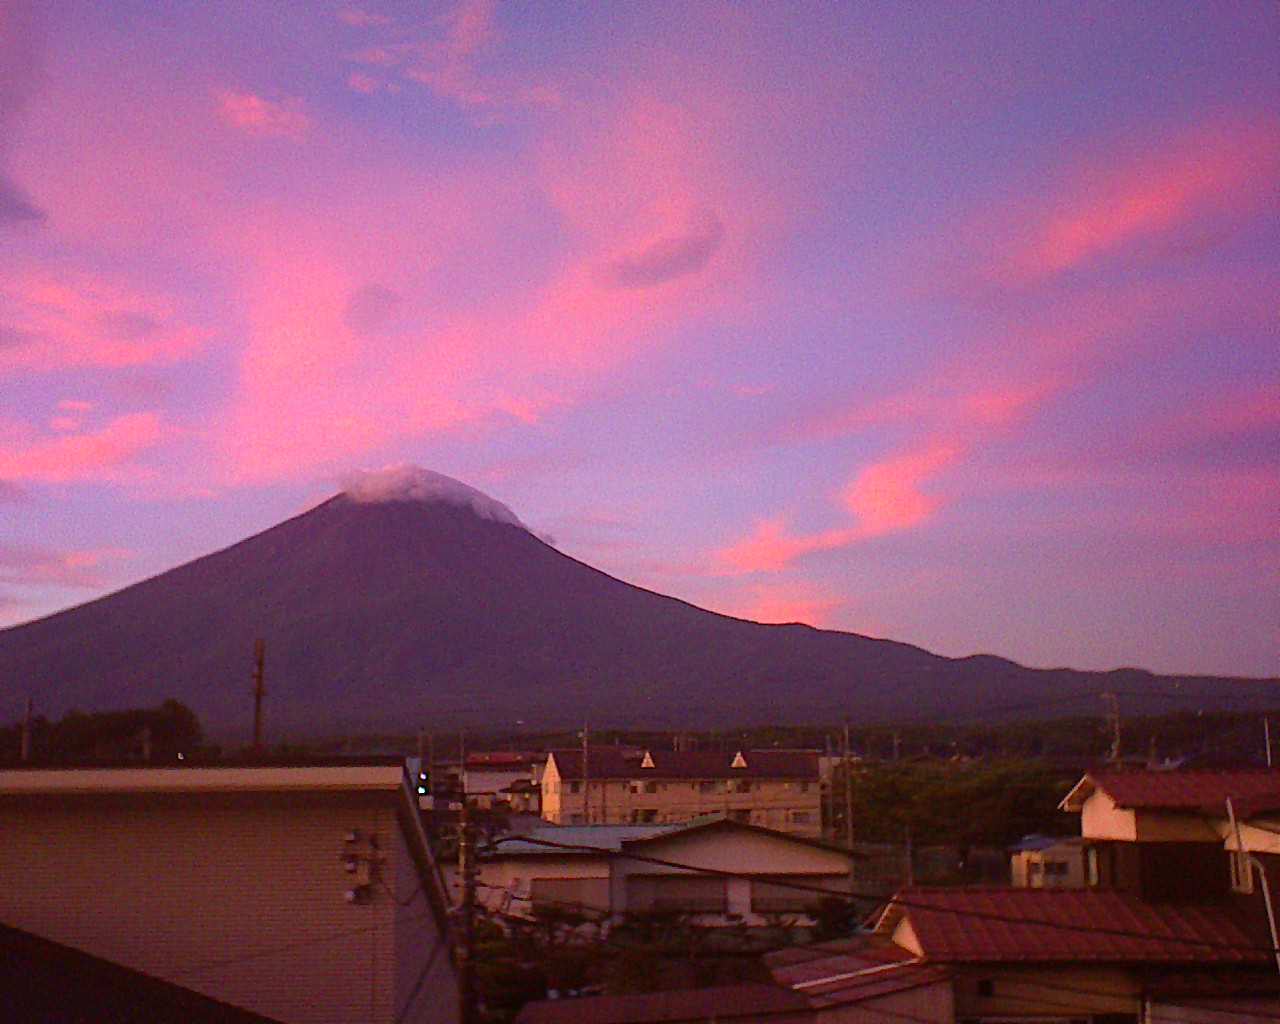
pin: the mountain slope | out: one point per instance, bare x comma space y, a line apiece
392, 613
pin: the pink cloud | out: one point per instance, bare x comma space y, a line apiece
358, 17
106, 454
359, 82
319, 383
258, 116
1105, 203
451, 63
782, 602
888, 495
26, 565
52, 322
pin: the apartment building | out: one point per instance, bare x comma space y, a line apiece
772, 789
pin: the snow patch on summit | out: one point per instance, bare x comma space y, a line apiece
407, 482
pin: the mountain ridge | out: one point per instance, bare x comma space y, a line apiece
403, 611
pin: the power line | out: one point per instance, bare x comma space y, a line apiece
852, 895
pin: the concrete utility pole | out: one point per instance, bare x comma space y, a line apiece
467, 912
897, 745
259, 691
1266, 732
586, 778
848, 790
26, 734
848, 802
1113, 721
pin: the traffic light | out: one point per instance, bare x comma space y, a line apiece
424, 782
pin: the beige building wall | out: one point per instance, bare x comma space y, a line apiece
740, 852
1101, 819
1055, 867
239, 896
507, 882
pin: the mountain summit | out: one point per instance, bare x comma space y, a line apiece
413, 599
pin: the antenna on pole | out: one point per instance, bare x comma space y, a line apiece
259, 664
1113, 725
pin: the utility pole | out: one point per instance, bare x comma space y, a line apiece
26, 734
259, 662
1266, 732
586, 778
1113, 722
897, 744
848, 801
467, 911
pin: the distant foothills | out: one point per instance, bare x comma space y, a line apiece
427, 602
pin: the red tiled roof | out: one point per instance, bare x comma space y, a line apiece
613, 763
1205, 791
724, 1002
1055, 925
851, 972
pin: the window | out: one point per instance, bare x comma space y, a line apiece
1055, 868
804, 787
800, 817
651, 787
1091, 865
706, 786
645, 816
1035, 868
742, 785
743, 816
575, 787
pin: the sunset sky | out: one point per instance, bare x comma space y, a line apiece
956, 326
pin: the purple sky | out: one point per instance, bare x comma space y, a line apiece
956, 326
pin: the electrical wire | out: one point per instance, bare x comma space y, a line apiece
851, 896
1038, 983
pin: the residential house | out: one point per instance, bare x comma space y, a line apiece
1066, 954
1165, 928
769, 788
749, 875
299, 894
1047, 862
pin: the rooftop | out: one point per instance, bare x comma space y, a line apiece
1192, 791
316, 778
722, 1003
619, 763
1053, 925
851, 970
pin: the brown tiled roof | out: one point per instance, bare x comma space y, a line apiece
982, 925
750, 1001
613, 763
1200, 791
